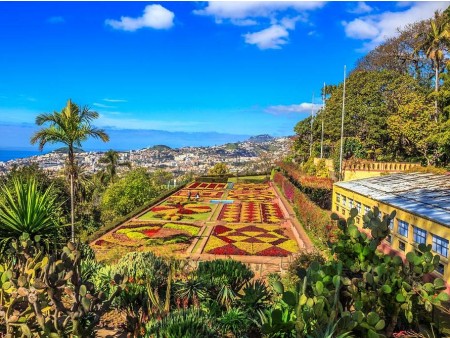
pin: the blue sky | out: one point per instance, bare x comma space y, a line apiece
238, 68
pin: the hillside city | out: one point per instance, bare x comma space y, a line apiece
257, 154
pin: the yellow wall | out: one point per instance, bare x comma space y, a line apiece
356, 175
413, 220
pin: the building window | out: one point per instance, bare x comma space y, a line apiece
343, 211
344, 201
358, 206
391, 224
401, 245
440, 268
389, 238
338, 198
350, 203
366, 209
420, 235
402, 228
440, 245
337, 207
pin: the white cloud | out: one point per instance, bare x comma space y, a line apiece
377, 28
56, 19
270, 38
276, 18
361, 8
114, 100
221, 10
305, 107
101, 105
155, 16
361, 29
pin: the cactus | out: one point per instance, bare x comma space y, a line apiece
45, 294
361, 291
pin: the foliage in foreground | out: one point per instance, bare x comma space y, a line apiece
26, 208
362, 291
48, 295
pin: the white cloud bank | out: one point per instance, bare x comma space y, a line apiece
155, 16
305, 107
376, 28
256, 13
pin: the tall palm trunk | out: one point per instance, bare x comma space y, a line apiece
436, 89
72, 208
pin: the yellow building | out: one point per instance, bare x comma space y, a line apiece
422, 203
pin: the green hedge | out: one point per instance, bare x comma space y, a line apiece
213, 179
108, 227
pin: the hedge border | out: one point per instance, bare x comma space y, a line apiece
315, 220
321, 196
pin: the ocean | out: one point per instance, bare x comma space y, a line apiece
6, 155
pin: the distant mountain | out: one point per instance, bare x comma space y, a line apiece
160, 147
261, 138
64, 150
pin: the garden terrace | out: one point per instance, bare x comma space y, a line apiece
253, 222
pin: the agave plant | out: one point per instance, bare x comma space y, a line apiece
190, 291
25, 209
234, 321
255, 297
181, 324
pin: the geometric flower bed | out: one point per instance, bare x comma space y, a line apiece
209, 186
134, 234
246, 239
251, 192
251, 212
176, 211
208, 194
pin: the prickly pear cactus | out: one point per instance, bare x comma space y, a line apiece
44, 295
361, 291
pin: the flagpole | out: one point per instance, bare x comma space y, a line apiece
342, 127
323, 111
312, 117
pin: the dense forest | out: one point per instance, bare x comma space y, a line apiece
397, 102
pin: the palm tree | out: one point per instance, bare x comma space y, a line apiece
71, 127
111, 158
433, 42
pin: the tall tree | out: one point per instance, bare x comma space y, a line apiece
71, 127
111, 159
433, 42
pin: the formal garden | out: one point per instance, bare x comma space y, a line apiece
240, 219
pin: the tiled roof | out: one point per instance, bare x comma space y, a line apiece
425, 195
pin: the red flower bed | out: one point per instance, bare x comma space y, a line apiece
194, 185
100, 242
203, 185
220, 229
212, 186
183, 211
274, 251
162, 207
149, 233
229, 249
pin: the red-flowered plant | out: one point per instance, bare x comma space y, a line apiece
315, 220
318, 189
